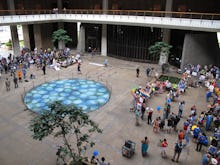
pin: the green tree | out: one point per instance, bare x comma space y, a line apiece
158, 48
71, 124
61, 36
9, 43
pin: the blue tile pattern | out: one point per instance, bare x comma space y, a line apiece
86, 94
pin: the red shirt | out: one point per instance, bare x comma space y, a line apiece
164, 144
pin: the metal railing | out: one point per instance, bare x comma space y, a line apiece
191, 15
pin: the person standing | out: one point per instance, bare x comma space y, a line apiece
143, 107
44, 69
148, 72
201, 140
106, 62
167, 110
137, 72
181, 108
137, 115
156, 125
177, 151
7, 84
20, 76
79, 68
144, 146
15, 82
24, 72
164, 145
149, 118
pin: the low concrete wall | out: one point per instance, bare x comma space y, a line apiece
200, 49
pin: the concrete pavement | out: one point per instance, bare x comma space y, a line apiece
117, 122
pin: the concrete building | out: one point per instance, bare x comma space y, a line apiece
122, 37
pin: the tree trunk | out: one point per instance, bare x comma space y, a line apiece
61, 45
163, 58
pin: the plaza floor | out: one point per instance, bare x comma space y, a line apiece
117, 122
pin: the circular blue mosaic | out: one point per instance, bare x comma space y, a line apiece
86, 94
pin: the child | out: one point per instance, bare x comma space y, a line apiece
164, 144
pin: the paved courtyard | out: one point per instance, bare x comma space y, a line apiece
117, 122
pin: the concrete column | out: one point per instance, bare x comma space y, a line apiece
166, 32
26, 36
78, 30
169, 5
61, 44
14, 32
105, 5
37, 36
104, 40
81, 38
59, 4
166, 35
15, 40
200, 49
11, 6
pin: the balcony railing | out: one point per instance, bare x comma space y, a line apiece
191, 15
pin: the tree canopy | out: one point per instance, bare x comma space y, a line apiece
71, 124
156, 49
61, 35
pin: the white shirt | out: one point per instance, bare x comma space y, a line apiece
211, 88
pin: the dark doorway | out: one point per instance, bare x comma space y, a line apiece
93, 37
31, 36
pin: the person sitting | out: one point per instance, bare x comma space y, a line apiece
214, 142
212, 150
168, 85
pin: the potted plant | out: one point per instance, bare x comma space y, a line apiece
62, 38
160, 51
8, 45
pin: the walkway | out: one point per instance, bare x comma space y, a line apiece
199, 24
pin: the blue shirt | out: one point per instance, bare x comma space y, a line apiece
205, 160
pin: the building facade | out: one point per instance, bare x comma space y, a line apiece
121, 41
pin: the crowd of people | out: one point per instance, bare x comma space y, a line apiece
18, 66
203, 127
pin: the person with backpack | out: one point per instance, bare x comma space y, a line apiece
177, 151
196, 133
202, 140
